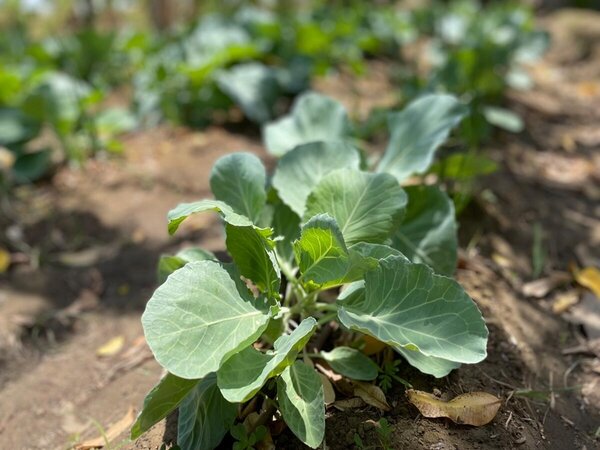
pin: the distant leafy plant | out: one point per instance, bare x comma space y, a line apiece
477, 52
322, 223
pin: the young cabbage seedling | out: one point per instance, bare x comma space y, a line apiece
322, 223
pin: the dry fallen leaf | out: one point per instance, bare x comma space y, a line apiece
540, 288
349, 403
328, 392
112, 347
371, 394
474, 408
564, 301
7, 159
589, 277
113, 432
4, 260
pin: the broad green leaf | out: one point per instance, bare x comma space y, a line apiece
253, 252
351, 363
253, 86
503, 118
427, 233
314, 117
167, 264
242, 375
299, 170
286, 225
161, 401
197, 319
417, 131
367, 207
321, 253
301, 402
184, 210
407, 305
239, 180
430, 365
204, 416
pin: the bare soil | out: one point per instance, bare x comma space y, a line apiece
87, 243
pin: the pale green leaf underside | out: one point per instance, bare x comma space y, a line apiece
167, 264
301, 402
242, 375
204, 416
239, 180
299, 170
184, 210
430, 365
314, 117
427, 233
407, 305
161, 401
197, 319
367, 207
417, 131
321, 253
351, 363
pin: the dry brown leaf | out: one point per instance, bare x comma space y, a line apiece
540, 288
328, 392
371, 394
473, 408
7, 159
4, 260
564, 301
589, 277
113, 432
112, 347
350, 403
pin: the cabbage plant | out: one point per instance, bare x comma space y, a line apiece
227, 331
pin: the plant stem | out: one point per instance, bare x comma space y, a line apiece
325, 307
326, 318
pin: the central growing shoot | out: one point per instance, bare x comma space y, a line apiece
323, 239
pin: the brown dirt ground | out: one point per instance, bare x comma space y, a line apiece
89, 241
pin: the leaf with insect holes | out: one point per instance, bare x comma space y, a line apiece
416, 133
161, 401
321, 252
301, 169
204, 416
198, 318
407, 305
473, 408
239, 180
251, 247
427, 233
314, 117
367, 207
302, 404
252, 250
351, 363
242, 375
